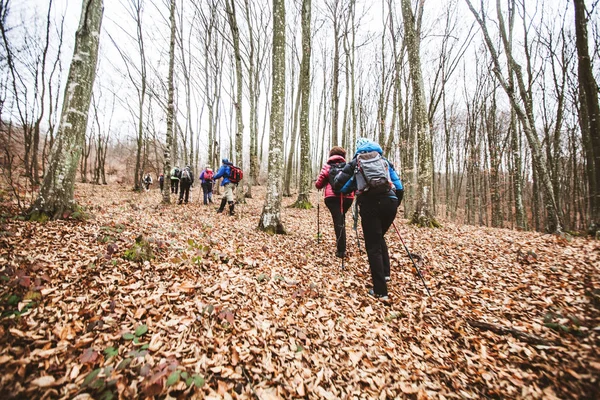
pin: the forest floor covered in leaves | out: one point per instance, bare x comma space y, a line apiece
222, 310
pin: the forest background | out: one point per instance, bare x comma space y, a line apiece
485, 166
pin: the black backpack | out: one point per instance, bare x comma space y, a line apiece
186, 176
334, 171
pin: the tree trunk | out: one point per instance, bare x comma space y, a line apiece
270, 220
423, 215
166, 194
303, 200
55, 199
239, 155
589, 119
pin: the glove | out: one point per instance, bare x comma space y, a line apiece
399, 195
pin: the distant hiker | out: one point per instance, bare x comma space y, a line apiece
147, 181
206, 177
336, 202
379, 192
161, 181
225, 173
175, 175
186, 180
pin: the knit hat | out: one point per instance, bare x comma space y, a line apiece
361, 141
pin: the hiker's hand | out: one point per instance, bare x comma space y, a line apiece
399, 195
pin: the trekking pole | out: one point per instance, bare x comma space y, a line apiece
318, 222
411, 259
343, 231
355, 217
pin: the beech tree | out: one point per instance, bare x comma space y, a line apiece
589, 112
270, 220
166, 194
303, 200
55, 199
423, 214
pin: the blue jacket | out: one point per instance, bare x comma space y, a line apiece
348, 172
223, 172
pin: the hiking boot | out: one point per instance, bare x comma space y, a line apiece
387, 279
222, 206
340, 254
231, 208
382, 297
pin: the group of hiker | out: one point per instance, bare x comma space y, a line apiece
368, 177
182, 180
378, 190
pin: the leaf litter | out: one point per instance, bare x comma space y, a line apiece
219, 309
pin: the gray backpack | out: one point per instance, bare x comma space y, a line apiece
372, 173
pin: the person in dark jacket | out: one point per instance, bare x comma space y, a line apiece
377, 213
224, 172
161, 181
186, 180
337, 203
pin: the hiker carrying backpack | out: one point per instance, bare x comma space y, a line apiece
206, 177
185, 182
379, 191
336, 202
174, 176
231, 176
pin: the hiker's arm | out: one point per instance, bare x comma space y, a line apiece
397, 183
322, 179
345, 179
220, 173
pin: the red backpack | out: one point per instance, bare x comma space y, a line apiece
208, 175
235, 174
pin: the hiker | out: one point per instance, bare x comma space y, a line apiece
147, 181
174, 175
336, 202
161, 181
186, 180
206, 177
379, 191
224, 172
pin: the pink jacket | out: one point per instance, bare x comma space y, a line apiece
323, 179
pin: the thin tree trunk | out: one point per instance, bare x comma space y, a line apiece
303, 200
270, 220
166, 194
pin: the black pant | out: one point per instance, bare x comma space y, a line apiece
377, 215
161, 184
333, 203
184, 191
174, 185
207, 191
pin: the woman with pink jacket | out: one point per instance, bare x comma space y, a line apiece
337, 203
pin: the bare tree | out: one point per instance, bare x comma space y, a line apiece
303, 200
270, 220
56, 199
589, 112
423, 215
166, 194
523, 106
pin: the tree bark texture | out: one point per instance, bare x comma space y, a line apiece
166, 194
590, 110
303, 200
55, 199
423, 215
270, 220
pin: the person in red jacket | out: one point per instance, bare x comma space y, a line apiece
337, 203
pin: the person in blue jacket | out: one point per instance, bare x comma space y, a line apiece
224, 172
377, 212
